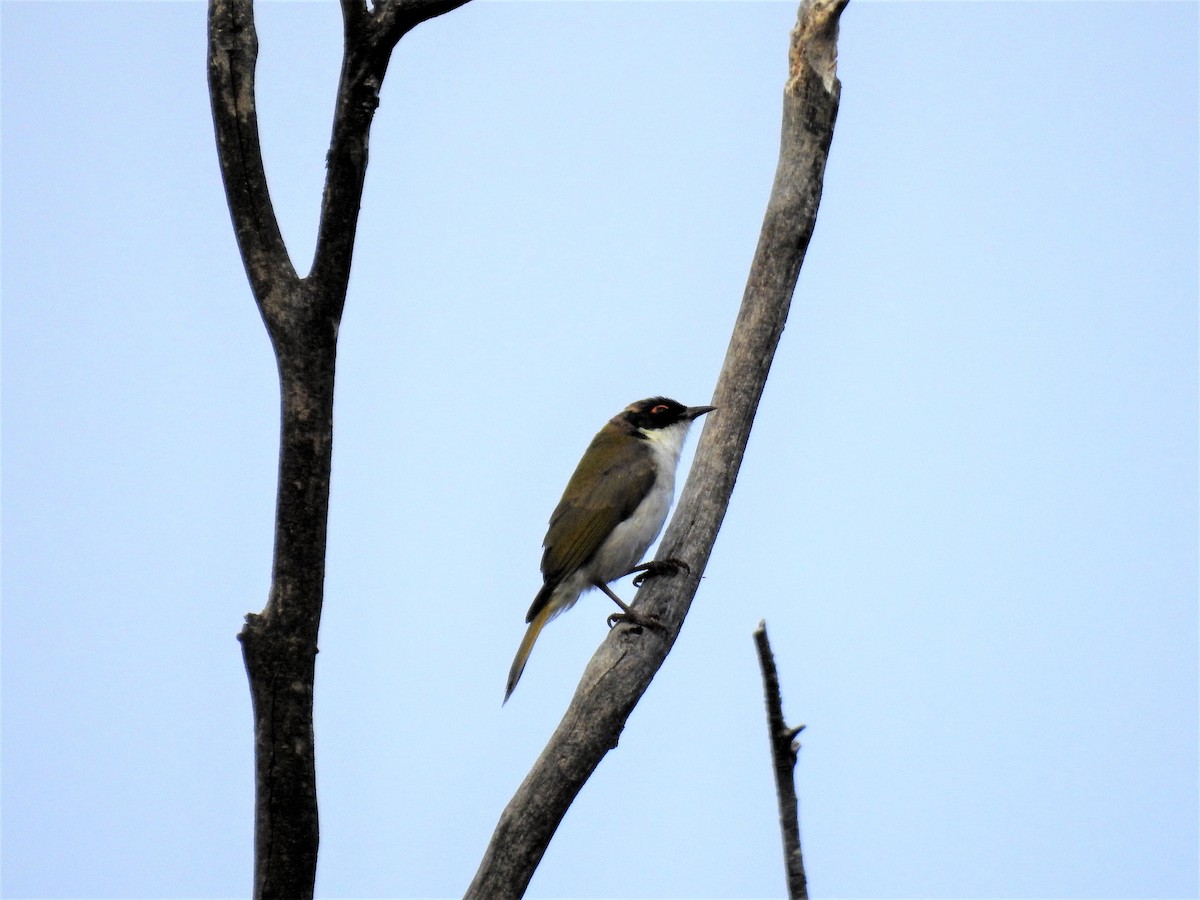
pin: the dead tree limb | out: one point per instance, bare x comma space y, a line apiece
625, 663
784, 750
302, 315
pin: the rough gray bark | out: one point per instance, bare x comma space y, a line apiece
622, 668
784, 750
302, 315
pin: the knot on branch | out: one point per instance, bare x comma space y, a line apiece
368, 96
787, 743
789, 735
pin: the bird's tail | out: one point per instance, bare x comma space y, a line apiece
544, 615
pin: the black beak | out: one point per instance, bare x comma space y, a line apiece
695, 412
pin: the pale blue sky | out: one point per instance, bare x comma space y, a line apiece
968, 512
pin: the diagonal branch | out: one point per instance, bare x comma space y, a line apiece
395, 18
784, 748
622, 668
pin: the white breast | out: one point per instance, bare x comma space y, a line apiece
631, 539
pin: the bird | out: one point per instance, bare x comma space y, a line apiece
613, 508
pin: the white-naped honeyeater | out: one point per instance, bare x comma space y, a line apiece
612, 510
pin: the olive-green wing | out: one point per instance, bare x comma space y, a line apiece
619, 473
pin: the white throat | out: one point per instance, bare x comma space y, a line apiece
667, 444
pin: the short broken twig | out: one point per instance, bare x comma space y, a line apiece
784, 751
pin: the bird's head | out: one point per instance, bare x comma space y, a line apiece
659, 414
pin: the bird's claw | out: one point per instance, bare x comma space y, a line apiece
660, 567
617, 618
636, 620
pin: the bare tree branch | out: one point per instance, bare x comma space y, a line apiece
784, 750
232, 57
395, 18
623, 666
302, 316
370, 37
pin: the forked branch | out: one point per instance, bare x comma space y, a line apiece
623, 666
302, 316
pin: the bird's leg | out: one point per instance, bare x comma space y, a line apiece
658, 567
628, 614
